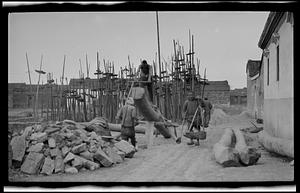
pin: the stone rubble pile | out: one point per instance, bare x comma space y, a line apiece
67, 147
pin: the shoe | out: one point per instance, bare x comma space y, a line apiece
190, 143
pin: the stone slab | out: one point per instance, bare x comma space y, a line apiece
32, 163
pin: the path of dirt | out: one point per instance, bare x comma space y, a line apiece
168, 161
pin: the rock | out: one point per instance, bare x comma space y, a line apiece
113, 155
122, 154
101, 157
77, 163
59, 139
47, 152
40, 137
48, 166
51, 143
71, 170
87, 155
27, 131
93, 148
36, 148
55, 152
88, 164
79, 148
69, 157
70, 136
58, 164
76, 142
69, 122
93, 135
32, 163
51, 130
18, 147
127, 148
38, 128
65, 150
83, 169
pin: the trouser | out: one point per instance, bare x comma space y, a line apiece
128, 133
206, 119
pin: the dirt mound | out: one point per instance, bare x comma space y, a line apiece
219, 117
244, 115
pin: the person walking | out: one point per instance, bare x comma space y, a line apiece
128, 117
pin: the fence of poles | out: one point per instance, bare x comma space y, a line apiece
84, 98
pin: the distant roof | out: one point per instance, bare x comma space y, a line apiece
269, 28
217, 85
254, 67
239, 92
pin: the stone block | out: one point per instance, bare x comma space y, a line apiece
87, 155
93, 148
18, 146
51, 143
122, 154
71, 170
88, 164
79, 148
70, 156
48, 166
125, 147
77, 163
40, 137
36, 148
27, 131
65, 150
51, 130
113, 155
101, 157
58, 164
32, 163
55, 152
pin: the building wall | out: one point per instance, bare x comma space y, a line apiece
238, 97
218, 97
255, 95
279, 100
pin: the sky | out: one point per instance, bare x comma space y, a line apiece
223, 41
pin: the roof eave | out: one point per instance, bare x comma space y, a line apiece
270, 26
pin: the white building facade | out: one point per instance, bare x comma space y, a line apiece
277, 43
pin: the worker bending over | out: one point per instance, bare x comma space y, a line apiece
145, 73
191, 108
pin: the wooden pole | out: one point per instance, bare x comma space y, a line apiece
37, 91
158, 51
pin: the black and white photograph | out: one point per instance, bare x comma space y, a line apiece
193, 98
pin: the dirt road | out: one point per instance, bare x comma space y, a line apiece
168, 161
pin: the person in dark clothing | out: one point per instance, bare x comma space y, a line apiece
207, 106
190, 106
145, 71
128, 116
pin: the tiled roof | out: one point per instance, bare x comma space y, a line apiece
253, 66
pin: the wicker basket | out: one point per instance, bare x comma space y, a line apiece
196, 135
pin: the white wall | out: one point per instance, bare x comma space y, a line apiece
278, 95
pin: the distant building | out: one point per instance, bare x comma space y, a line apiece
217, 92
238, 96
276, 41
255, 88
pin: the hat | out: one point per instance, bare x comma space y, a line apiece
130, 101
